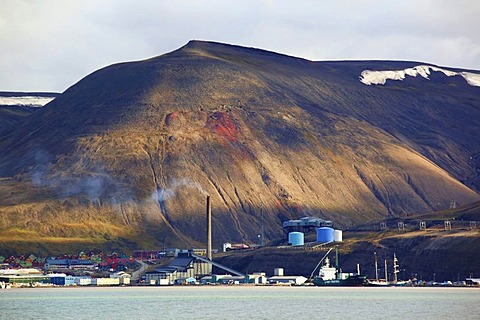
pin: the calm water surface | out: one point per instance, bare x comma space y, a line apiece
240, 302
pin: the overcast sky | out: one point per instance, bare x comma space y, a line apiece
49, 45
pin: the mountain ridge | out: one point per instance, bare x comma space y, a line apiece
133, 147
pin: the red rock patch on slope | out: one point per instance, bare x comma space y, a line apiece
171, 117
221, 123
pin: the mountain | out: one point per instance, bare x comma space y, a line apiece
125, 157
14, 106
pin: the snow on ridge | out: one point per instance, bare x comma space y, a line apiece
29, 101
370, 77
472, 79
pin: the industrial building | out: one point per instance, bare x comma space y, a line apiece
280, 278
116, 279
222, 279
305, 224
123, 277
291, 280
27, 275
185, 265
61, 279
256, 278
71, 264
105, 281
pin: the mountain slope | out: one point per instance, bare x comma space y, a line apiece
127, 155
14, 106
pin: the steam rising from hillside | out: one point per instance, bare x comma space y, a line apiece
95, 184
164, 194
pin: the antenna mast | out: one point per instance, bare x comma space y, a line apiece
262, 233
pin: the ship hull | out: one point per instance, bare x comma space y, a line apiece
352, 281
377, 284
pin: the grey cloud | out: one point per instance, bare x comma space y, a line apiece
49, 45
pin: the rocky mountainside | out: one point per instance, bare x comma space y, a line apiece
125, 157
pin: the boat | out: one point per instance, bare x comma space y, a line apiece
331, 276
472, 281
384, 282
396, 282
378, 282
375, 283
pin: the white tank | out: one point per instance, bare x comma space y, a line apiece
278, 272
296, 238
337, 235
226, 246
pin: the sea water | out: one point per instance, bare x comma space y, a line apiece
239, 302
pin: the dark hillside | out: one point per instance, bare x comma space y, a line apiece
13, 109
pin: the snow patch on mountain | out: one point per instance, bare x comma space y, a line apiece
26, 101
370, 77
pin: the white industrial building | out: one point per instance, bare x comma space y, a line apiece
292, 280
280, 278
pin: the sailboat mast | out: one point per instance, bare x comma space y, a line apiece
376, 266
386, 272
395, 268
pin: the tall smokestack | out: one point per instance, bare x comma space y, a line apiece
209, 229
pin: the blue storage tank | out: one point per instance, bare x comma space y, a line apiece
324, 234
296, 238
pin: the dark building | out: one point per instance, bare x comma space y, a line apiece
305, 224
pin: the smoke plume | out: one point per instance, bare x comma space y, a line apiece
164, 194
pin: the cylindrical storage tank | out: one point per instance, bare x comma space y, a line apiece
324, 234
337, 235
296, 238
